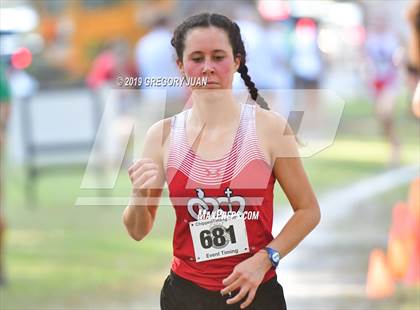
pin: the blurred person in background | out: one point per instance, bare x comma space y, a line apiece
4, 116
111, 62
279, 45
268, 53
307, 65
154, 58
111, 101
380, 51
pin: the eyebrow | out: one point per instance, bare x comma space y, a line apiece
214, 51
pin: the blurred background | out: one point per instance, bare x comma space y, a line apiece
59, 64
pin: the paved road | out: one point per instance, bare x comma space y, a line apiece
328, 269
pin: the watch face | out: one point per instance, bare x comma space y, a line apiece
276, 257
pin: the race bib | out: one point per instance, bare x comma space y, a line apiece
218, 238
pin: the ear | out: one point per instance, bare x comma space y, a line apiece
180, 65
237, 61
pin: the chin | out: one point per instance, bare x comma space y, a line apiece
210, 93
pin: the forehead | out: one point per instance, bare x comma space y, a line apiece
206, 39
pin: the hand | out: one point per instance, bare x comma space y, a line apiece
246, 277
142, 173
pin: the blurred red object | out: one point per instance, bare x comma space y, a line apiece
273, 10
103, 70
21, 58
379, 280
305, 23
412, 277
401, 239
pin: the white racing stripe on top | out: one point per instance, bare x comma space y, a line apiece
212, 172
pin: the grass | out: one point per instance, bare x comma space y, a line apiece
59, 255
56, 254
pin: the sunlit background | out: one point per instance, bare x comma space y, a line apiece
61, 60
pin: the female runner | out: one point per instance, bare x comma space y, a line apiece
220, 159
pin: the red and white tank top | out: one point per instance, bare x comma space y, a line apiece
240, 181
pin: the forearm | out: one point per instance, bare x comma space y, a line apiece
296, 229
138, 220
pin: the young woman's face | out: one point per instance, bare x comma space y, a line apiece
208, 53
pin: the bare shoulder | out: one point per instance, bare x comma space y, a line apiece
160, 130
270, 121
155, 143
275, 134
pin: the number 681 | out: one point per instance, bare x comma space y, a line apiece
216, 237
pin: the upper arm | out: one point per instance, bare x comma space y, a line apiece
287, 165
154, 148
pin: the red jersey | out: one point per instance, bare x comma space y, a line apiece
240, 181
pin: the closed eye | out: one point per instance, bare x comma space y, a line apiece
197, 59
219, 58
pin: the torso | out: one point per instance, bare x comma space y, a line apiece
232, 172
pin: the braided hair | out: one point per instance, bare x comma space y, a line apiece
235, 39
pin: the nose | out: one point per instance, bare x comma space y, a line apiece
208, 68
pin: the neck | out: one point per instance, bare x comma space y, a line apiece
214, 108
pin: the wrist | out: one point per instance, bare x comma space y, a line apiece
273, 256
137, 193
137, 201
264, 259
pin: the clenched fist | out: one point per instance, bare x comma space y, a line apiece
143, 172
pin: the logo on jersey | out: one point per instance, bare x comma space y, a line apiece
209, 204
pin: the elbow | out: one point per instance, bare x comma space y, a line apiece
131, 230
136, 237
317, 215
